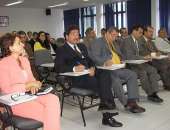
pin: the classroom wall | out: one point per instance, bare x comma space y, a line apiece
34, 20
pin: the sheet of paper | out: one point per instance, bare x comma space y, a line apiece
48, 65
113, 67
75, 73
16, 98
135, 61
160, 57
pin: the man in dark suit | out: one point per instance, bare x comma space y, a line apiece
148, 74
73, 57
148, 48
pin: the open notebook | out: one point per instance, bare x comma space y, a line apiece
16, 98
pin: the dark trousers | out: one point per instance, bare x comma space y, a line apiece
163, 67
99, 84
148, 76
86, 82
104, 80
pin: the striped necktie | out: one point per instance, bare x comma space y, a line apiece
77, 52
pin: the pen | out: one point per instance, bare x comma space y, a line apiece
43, 81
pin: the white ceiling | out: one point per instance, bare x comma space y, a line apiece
45, 3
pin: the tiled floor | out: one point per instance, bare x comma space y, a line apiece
156, 117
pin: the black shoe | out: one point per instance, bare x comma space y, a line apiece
155, 98
111, 122
134, 108
106, 106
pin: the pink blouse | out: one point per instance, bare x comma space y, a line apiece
12, 77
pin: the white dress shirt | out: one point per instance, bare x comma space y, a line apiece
162, 44
72, 46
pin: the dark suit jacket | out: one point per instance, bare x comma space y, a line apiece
67, 58
146, 48
129, 49
100, 53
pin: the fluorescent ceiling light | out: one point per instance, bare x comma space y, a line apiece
85, 0
58, 5
15, 3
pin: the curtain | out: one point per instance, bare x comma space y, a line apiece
138, 12
109, 19
164, 8
71, 17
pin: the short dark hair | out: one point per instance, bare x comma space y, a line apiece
136, 27
71, 28
103, 29
121, 30
145, 28
40, 33
29, 32
21, 33
6, 41
88, 30
161, 29
111, 29
35, 33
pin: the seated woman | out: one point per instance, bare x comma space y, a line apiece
42, 42
16, 76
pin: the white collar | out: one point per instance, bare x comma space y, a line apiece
71, 45
134, 39
146, 39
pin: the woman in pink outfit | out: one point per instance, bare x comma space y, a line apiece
16, 76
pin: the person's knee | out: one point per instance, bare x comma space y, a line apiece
142, 74
133, 75
152, 70
52, 99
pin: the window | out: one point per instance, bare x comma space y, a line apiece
88, 19
119, 13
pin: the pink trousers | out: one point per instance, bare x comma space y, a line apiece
45, 108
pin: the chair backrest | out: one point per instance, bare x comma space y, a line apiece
42, 57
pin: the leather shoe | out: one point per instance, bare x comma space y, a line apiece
155, 98
111, 122
134, 108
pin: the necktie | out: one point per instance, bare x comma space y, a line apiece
150, 46
77, 52
137, 48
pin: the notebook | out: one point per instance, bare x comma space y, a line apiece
16, 98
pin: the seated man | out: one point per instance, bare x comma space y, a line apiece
104, 52
90, 36
162, 43
148, 48
73, 57
148, 74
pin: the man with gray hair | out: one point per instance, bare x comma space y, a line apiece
90, 36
